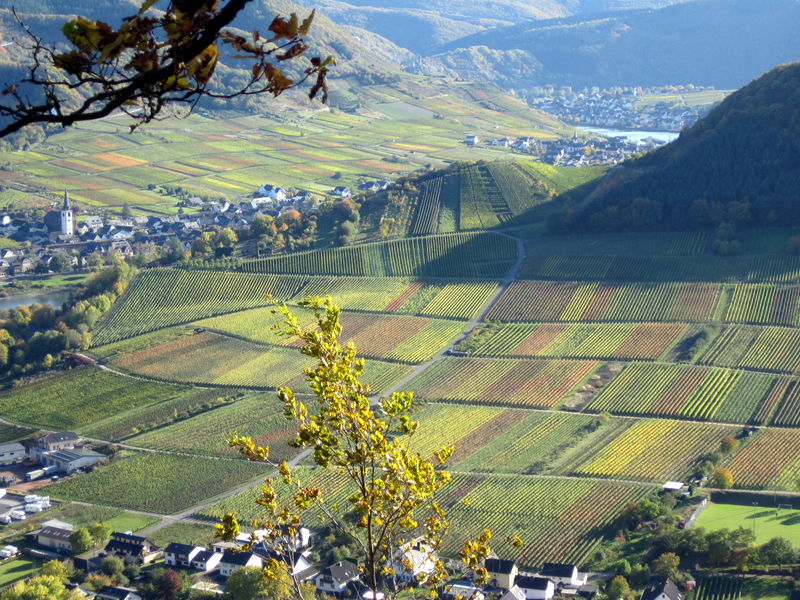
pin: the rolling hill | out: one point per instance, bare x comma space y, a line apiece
738, 165
714, 43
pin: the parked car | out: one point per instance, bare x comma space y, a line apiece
54, 478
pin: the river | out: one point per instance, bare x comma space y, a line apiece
635, 134
53, 298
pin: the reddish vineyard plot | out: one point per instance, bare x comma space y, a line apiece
770, 461
570, 301
507, 382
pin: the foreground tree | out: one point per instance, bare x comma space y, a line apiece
151, 62
392, 500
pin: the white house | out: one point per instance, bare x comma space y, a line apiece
536, 588
231, 562
341, 191
413, 559
270, 191
334, 579
206, 560
180, 555
471, 140
566, 575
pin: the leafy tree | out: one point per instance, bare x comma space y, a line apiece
152, 61
42, 587
112, 566
80, 540
54, 568
618, 588
623, 568
100, 532
349, 436
640, 575
723, 479
60, 263
169, 585
95, 261
666, 565
728, 444
778, 551
248, 583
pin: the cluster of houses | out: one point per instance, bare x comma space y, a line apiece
573, 152
621, 111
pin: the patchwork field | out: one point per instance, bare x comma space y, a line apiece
572, 515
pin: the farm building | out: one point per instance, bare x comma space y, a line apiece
341, 191
514, 593
68, 461
55, 538
420, 556
132, 546
463, 589
11, 452
52, 442
110, 592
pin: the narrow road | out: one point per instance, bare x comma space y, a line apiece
507, 280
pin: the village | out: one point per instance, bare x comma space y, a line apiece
620, 110
57, 241
572, 152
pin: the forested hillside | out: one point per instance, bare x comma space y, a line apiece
740, 165
721, 43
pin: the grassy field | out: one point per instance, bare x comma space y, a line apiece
765, 521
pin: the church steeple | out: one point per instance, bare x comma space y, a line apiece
67, 223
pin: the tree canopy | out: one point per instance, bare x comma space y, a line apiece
393, 488
152, 60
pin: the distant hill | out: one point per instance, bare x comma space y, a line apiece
367, 53
721, 43
422, 25
740, 165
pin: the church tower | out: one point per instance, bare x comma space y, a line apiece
67, 224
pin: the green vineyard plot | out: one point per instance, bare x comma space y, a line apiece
155, 482
400, 338
574, 301
451, 255
655, 450
685, 391
79, 397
